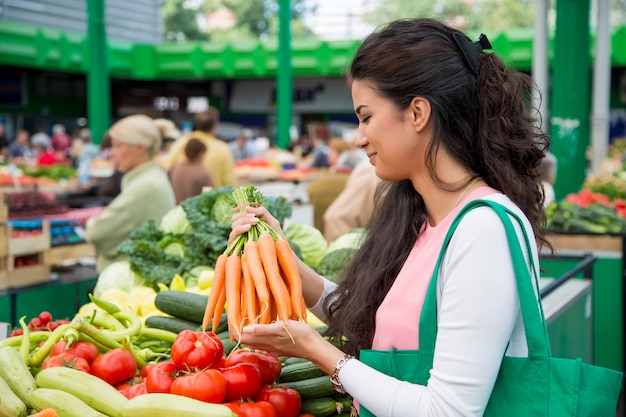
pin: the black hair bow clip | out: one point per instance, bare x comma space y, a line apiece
471, 50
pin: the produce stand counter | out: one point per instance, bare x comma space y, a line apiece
567, 305
62, 295
609, 288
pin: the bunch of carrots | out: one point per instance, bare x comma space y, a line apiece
256, 278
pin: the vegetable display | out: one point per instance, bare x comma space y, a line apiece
587, 212
135, 370
141, 347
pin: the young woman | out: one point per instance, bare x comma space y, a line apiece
444, 123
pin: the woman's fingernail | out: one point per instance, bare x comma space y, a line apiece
246, 226
248, 330
250, 215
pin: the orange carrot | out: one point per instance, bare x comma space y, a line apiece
294, 281
233, 292
267, 250
269, 314
219, 310
46, 412
255, 268
248, 292
217, 287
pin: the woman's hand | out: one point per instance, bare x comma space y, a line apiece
243, 221
292, 338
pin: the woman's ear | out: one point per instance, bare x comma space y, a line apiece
420, 113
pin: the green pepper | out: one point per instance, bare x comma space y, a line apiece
25, 344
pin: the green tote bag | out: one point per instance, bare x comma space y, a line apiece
534, 386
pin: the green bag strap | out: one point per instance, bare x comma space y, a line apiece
532, 316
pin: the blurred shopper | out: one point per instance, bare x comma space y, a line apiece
189, 177
320, 153
353, 207
547, 172
20, 150
302, 147
43, 147
76, 143
146, 191
218, 160
110, 186
169, 134
244, 146
61, 141
87, 153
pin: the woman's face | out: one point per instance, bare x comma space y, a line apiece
387, 134
124, 156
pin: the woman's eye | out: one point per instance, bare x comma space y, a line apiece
365, 119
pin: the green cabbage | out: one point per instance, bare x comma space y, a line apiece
351, 239
175, 221
340, 253
309, 240
117, 275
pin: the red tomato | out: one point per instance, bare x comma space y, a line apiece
243, 380
45, 317
268, 365
85, 350
196, 350
234, 407
207, 385
257, 409
160, 376
114, 366
68, 360
132, 390
286, 401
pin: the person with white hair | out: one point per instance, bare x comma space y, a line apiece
145, 194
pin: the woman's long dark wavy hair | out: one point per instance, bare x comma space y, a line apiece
484, 121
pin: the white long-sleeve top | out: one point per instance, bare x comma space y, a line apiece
479, 320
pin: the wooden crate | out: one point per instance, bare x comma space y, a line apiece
58, 255
587, 243
28, 245
12, 277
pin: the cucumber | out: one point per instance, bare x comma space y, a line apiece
319, 386
291, 360
299, 371
16, 374
10, 403
173, 324
319, 407
228, 344
185, 305
344, 404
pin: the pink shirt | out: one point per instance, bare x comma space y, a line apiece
397, 318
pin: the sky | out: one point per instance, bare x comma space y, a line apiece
340, 19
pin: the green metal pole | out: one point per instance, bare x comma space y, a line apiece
284, 79
98, 83
571, 84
